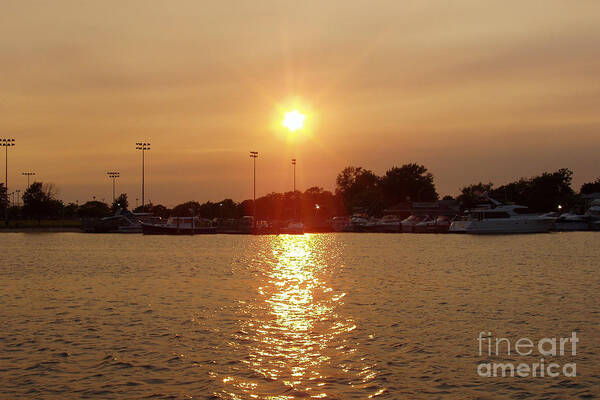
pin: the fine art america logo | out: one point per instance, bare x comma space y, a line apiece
547, 349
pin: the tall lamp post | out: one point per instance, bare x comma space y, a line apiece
28, 175
294, 164
113, 175
294, 193
6, 143
143, 147
254, 156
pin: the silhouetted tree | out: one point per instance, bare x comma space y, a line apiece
94, 209
71, 210
541, 193
410, 182
551, 189
39, 201
472, 194
183, 210
3, 197
359, 188
120, 203
160, 211
590, 187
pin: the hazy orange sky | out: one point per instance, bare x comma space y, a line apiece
473, 90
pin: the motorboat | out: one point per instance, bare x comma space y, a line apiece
357, 222
459, 224
426, 225
123, 221
442, 224
293, 228
180, 226
508, 219
409, 223
594, 215
572, 222
389, 224
339, 224
372, 225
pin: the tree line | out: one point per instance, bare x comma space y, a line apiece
357, 190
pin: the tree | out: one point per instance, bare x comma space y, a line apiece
359, 188
541, 193
160, 211
551, 189
183, 210
590, 187
410, 182
39, 201
3, 197
120, 203
94, 209
472, 194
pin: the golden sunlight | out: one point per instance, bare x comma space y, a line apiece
293, 120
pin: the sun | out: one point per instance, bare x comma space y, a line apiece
293, 120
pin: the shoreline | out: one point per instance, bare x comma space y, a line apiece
40, 229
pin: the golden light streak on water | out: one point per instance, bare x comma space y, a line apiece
295, 328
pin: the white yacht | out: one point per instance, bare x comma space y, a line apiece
508, 219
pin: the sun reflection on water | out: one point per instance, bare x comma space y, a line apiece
296, 343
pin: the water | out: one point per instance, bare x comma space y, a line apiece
338, 316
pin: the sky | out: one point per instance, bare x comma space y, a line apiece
475, 91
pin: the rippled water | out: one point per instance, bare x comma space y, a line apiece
339, 316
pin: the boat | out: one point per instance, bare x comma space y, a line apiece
409, 223
357, 222
426, 225
372, 225
440, 224
293, 228
339, 224
180, 226
508, 219
593, 213
572, 222
389, 224
459, 224
123, 221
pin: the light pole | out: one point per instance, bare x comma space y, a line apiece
143, 147
113, 175
294, 193
28, 175
294, 164
254, 156
6, 143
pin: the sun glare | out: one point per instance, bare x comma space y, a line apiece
293, 120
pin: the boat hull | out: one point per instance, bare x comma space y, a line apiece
510, 225
169, 230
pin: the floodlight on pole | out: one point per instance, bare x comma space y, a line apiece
294, 193
28, 175
6, 143
143, 147
254, 156
113, 175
